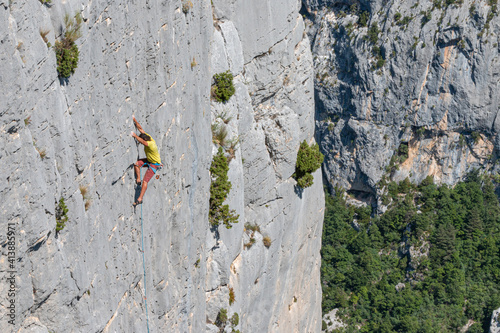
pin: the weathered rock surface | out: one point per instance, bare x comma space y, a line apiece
270, 114
332, 321
425, 77
495, 321
61, 136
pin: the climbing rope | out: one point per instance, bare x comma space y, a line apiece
144, 265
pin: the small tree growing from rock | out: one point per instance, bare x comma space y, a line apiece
221, 320
309, 159
219, 189
223, 87
66, 50
61, 215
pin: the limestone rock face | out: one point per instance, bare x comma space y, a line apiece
69, 138
271, 112
413, 74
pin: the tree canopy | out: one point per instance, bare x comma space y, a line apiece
439, 245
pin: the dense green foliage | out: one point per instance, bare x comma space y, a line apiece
373, 33
380, 61
61, 215
66, 50
223, 88
235, 319
219, 189
67, 59
363, 19
309, 159
459, 279
222, 320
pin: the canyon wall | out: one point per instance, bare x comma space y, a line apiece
69, 138
410, 79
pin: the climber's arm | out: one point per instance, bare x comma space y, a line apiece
139, 127
135, 136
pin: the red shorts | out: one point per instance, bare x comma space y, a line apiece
149, 173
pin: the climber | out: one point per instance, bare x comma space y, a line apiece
152, 160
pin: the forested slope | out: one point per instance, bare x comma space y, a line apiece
430, 263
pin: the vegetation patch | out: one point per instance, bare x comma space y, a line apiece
252, 227
402, 152
251, 242
373, 33
219, 189
405, 21
451, 278
231, 296
426, 17
399, 157
186, 7
86, 196
219, 137
231, 148
379, 58
61, 215
476, 136
223, 87
234, 320
309, 159
221, 320
66, 50
267, 241
219, 134
43, 34
363, 18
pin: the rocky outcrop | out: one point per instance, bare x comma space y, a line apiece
69, 139
495, 322
332, 321
414, 73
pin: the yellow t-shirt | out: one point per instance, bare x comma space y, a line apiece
151, 151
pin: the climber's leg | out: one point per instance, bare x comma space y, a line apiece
137, 166
143, 190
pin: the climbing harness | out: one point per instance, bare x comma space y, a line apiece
157, 165
144, 267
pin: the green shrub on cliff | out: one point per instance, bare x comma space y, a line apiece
309, 159
61, 215
221, 320
223, 87
363, 19
66, 50
219, 189
373, 33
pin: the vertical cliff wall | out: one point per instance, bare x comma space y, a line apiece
69, 139
272, 112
